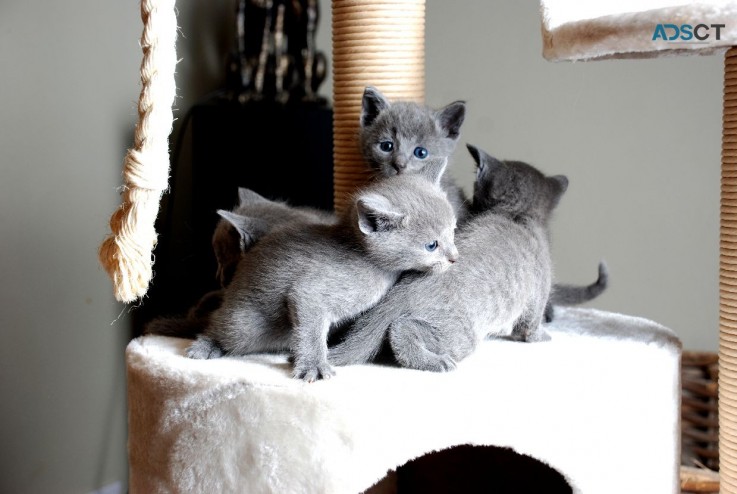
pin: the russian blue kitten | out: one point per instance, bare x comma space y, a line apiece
254, 217
237, 231
498, 287
301, 280
404, 137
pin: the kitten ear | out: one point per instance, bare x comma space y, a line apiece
373, 103
376, 214
560, 183
249, 229
247, 196
434, 171
451, 118
484, 161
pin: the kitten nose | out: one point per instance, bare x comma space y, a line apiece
399, 166
452, 256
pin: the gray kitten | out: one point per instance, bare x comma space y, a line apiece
237, 231
254, 217
404, 137
301, 280
499, 287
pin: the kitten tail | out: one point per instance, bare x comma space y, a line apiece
364, 338
573, 295
178, 327
192, 324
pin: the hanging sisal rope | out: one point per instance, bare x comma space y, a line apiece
379, 43
126, 254
728, 284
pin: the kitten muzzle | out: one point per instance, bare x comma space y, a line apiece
399, 166
452, 256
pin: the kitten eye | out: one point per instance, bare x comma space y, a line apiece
386, 146
431, 246
421, 152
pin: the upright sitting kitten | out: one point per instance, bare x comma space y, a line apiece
404, 137
300, 280
499, 286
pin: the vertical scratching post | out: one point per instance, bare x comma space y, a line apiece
126, 254
728, 283
379, 43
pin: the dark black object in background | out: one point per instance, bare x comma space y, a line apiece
281, 151
267, 130
275, 56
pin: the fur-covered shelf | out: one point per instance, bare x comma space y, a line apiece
599, 403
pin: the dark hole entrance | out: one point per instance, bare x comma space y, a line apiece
474, 469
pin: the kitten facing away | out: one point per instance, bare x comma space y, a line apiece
499, 287
404, 137
236, 232
300, 281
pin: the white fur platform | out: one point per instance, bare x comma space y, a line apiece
599, 403
576, 30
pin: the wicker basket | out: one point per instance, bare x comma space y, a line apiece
699, 422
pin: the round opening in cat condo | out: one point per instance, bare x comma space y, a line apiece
473, 469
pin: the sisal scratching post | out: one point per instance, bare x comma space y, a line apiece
379, 43
573, 31
728, 283
126, 254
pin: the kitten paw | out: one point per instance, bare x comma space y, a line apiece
313, 372
435, 363
204, 348
538, 336
549, 313
445, 364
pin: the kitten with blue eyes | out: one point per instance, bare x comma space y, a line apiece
404, 137
499, 286
302, 280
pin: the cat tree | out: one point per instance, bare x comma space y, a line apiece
244, 425
624, 29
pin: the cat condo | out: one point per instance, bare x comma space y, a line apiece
245, 425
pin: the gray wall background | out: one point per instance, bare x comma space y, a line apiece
639, 141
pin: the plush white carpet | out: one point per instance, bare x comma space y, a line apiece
599, 403
576, 30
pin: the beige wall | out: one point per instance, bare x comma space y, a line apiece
68, 90
639, 141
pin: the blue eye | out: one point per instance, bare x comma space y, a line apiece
431, 246
420, 152
386, 146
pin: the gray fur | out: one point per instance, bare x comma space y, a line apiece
302, 279
190, 325
408, 125
513, 200
254, 217
499, 286
237, 232
567, 295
